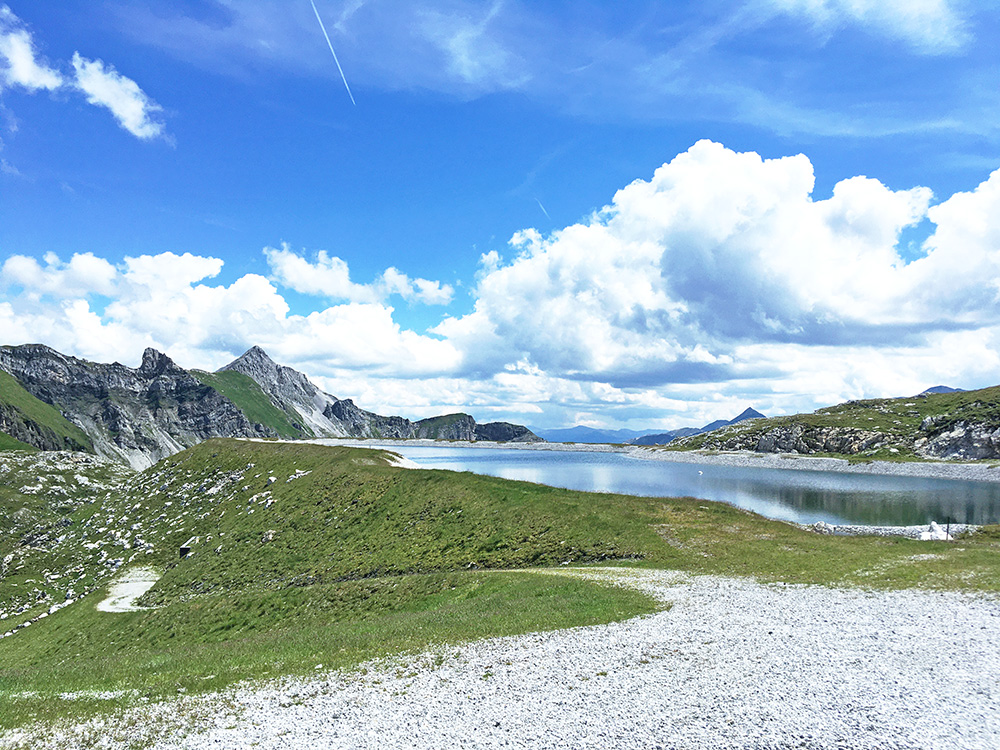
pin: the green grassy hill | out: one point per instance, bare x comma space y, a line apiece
43, 495
306, 555
248, 396
8, 443
889, 429
36, 420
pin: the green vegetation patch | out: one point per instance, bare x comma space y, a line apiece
302, 554
212, 641
894, 423
43, 497
46, 417
8, 443
248, 396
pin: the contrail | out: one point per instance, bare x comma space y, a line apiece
543, 209
330, 45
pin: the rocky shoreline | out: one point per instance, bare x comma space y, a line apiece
966, 471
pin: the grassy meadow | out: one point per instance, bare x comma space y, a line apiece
305, 555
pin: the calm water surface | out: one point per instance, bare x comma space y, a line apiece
786, 494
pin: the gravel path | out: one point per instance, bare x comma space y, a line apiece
732, 664
130, 586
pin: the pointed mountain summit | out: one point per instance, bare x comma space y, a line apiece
328, 416
137, 415
140, 415
291, 391
155, 364
665, 437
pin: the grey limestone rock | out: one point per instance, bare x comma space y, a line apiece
139, 415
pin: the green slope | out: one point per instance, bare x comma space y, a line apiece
898, 420
8, 443
436, 428
49, 422
42, 496
248, 396
308, 554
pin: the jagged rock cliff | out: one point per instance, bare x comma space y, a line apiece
505, 432
142, 415
138, 415
961, 440
328, 416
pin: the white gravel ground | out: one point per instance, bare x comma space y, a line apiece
732, 664
130, 586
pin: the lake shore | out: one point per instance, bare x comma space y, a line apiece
971, 472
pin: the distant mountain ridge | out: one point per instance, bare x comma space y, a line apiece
582, 434
940, 389
939, 423
50, 401
666, 437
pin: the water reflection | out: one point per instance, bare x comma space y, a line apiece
800, 496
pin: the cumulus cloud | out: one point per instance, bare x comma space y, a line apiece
172, 302
719, 283
83, 275
329, 277
20, 64
931, 26
720, 249
106, 87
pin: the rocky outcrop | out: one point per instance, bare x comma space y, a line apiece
328, 416
959, 440
357, 422
796, 437
447, 427
505, 432
140, 415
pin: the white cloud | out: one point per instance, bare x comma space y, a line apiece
106, 87
169, 271
473, 55
329, 277
667, 283
719, 283
19, 61
169, 301
932, 26
83, 275
428, 292
21, 66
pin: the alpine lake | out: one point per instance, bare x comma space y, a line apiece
799, 496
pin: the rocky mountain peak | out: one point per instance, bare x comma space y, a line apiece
258, 355
256, 364
155, 363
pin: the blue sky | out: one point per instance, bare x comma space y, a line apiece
630, 214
